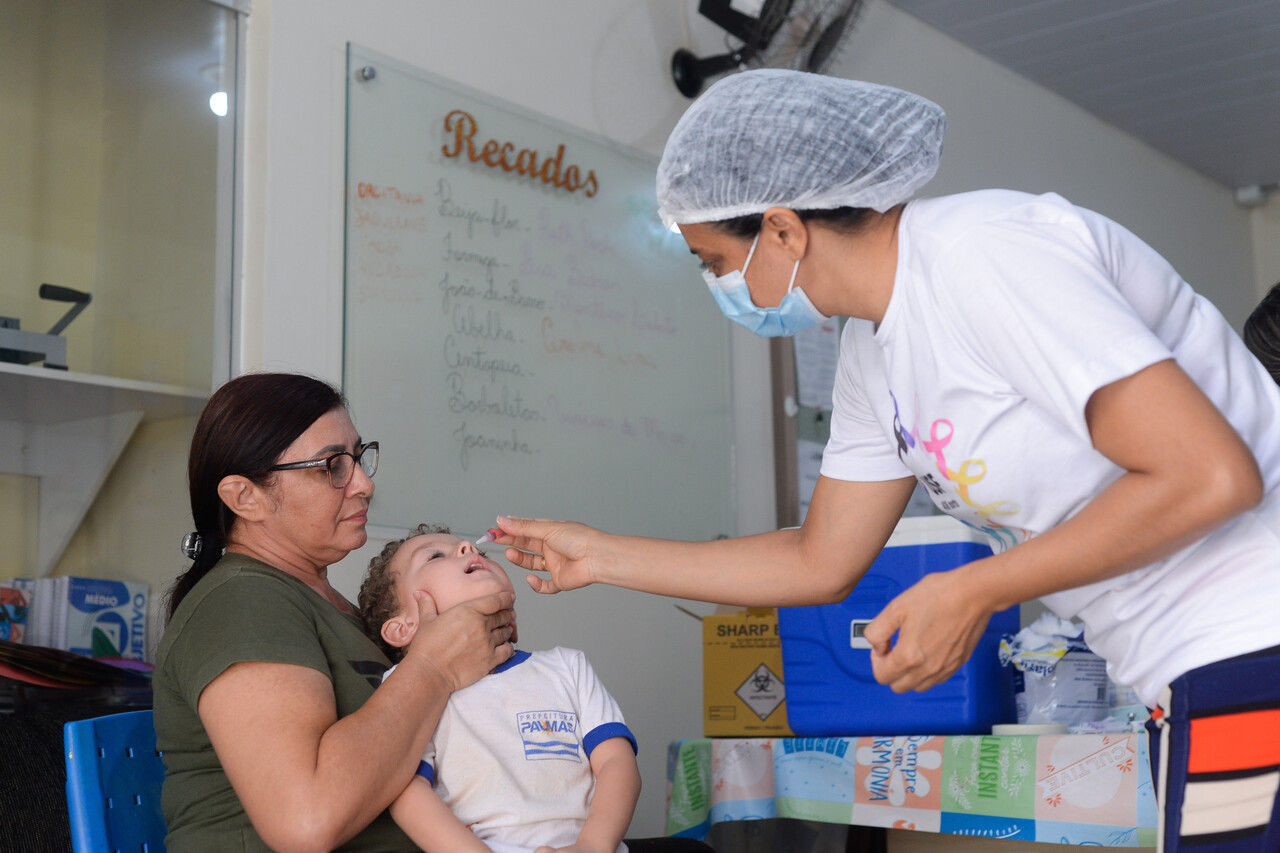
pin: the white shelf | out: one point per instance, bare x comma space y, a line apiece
38, 395
69, 429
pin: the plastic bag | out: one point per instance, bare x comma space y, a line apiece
1056, 678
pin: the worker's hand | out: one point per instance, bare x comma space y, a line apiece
560, 548
938, 622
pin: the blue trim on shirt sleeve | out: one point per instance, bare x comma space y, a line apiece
426, 771
602, 733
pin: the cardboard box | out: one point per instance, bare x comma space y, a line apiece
13, 614
103, 618
93, 617
743, 694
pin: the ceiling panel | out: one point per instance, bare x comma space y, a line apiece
1195, 79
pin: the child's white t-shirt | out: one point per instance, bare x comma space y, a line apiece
1008, 311
511, 755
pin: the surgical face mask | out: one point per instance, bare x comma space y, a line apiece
795, 313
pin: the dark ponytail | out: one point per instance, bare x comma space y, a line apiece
1262, 332
244, 428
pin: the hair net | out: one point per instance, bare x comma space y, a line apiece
773, 137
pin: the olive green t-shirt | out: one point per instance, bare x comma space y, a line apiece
244, 610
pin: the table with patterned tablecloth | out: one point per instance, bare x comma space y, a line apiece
1086, 789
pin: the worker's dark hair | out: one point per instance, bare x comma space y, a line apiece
1262, 332
846, 219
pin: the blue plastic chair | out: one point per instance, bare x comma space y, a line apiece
114, 774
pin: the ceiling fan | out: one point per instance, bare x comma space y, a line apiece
801, 34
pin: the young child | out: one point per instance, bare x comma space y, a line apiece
533, 757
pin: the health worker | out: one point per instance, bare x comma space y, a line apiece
1050, 380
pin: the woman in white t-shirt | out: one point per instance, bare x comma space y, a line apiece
1045, 374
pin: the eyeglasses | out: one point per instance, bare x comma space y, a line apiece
341, 466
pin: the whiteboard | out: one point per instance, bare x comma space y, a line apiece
521, 333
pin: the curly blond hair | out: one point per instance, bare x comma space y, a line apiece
378, 600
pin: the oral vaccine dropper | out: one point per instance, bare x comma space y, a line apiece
490, 535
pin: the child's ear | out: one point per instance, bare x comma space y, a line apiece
398, 630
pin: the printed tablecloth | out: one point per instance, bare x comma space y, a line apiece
1092, 789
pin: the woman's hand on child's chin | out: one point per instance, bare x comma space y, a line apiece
465, 642
428, 612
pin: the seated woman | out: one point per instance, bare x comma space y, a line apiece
265, 709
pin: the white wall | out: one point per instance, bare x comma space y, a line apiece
1003, 131
1266, 244
597, 64
602, 65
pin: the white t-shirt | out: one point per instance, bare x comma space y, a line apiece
1008, 311
511, 754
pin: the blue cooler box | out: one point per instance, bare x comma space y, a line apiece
826, 664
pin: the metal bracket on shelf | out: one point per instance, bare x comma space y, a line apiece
19, 347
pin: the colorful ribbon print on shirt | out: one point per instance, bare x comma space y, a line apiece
970, 472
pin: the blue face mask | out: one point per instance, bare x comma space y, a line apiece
795, 313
